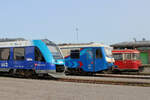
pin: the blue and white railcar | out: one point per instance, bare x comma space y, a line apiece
93, 58
57, 55
26, 57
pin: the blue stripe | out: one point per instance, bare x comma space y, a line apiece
44, 50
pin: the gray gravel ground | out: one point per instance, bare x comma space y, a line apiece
27, 89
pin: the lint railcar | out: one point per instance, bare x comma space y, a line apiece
57, 55
88, 59
127, 59
26, 57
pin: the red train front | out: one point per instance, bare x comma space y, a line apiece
127, 60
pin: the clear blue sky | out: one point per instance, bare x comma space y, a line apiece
104, 21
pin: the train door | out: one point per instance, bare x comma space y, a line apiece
40, 63
118, 59
127, 61
29, 54
90, 64
19, 57
98, 60
5, 62
75, 57
23, 58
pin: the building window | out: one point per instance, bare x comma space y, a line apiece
4, 54
38, 55
19, 53
99, 53
75, 54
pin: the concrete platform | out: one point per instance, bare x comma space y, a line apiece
28, 89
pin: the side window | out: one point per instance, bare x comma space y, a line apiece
98, 53
19, 53
75, 54
127, 56
4, 54
38, 55
135, 56
118, 56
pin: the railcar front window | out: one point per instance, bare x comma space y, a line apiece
108, 51
55, 52
66, 52
4, 54
118, 56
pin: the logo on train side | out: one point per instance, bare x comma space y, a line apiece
89, 66
29, 59
40, 64
19, 66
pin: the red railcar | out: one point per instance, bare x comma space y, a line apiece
127, 60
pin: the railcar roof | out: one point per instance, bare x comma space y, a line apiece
125, 51
16, 43
83, 46
11, 39
48, 42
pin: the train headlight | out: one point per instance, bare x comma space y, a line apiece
60, 62
110, 60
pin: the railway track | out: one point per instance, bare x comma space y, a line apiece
130, 80
142, 84
131, 76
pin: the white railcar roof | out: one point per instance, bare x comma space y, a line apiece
16, 43
84, 45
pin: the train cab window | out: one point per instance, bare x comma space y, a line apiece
19, 53
75, 54
4, 53
98, 53
118, 56
38, 55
